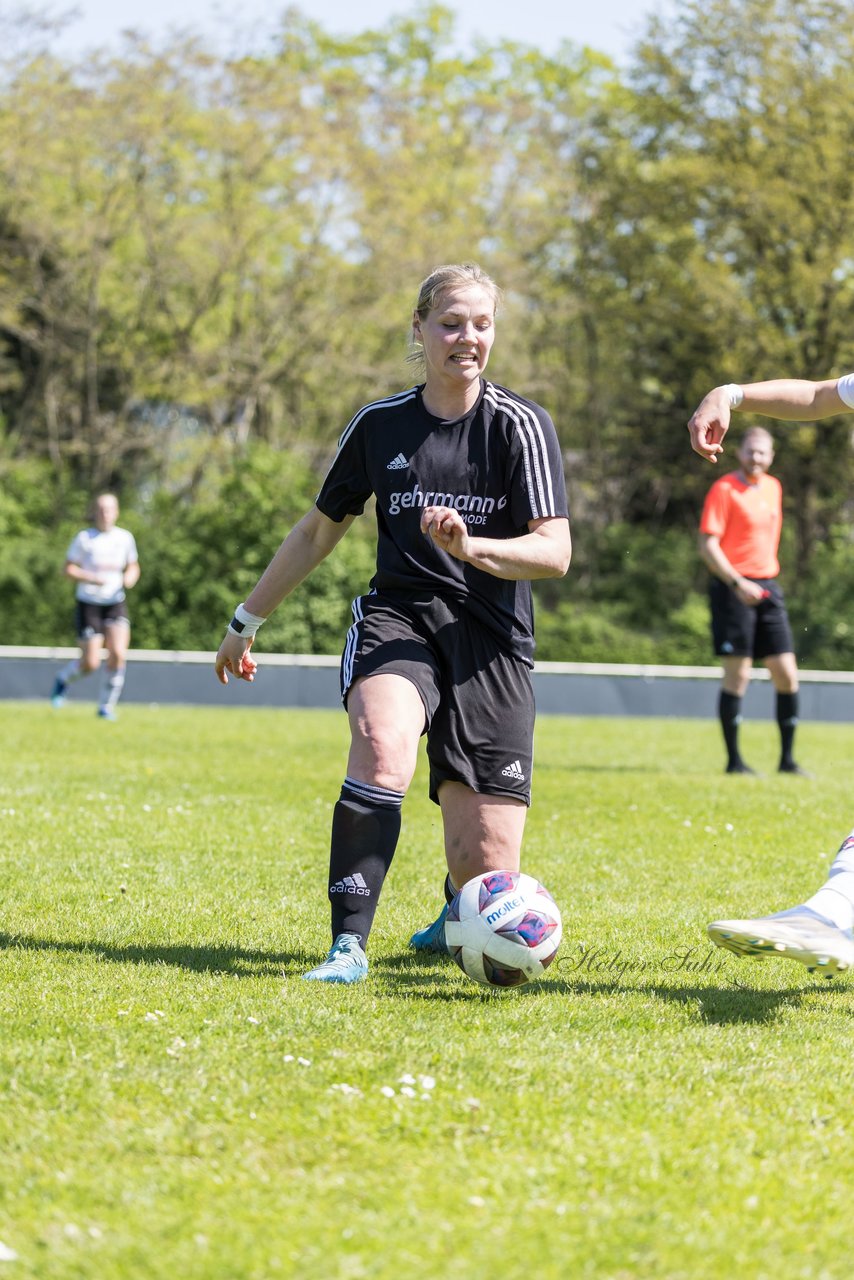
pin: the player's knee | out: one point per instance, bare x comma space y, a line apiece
393, 774
387, 757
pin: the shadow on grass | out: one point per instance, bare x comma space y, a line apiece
713, 1004
414, 975
235, 961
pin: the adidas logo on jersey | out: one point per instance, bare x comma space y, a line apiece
351, 884
513, 770
397, 464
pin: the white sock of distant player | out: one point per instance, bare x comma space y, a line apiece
835, 899
112, 683
71, 672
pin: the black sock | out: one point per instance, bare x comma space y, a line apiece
365, 829
787, 719
450, 891
729, 711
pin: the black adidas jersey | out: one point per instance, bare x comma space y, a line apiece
500, 466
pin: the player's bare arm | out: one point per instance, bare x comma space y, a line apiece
544, 552
794, 399
308, 543
789, 399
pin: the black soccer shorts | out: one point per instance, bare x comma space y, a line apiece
754, 631
478, 699
92, 619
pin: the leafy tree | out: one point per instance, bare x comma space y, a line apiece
718, 244
209, 260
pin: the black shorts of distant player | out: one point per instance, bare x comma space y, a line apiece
478, 699
92, 619
756, 631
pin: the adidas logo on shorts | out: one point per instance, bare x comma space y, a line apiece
513, 770
397, 464
351, 884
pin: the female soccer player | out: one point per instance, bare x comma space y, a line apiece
103, 561
471, 505
818, 932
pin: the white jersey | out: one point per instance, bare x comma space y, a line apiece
105, 554
845, 388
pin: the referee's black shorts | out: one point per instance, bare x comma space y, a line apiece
752, 631
478, 699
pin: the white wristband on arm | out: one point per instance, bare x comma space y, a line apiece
734, 393
244, 623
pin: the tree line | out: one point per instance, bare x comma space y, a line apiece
208, 261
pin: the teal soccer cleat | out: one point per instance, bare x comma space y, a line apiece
433, 937
346, 962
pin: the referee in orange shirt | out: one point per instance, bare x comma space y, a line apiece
739, 536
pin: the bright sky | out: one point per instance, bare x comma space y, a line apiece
606, 25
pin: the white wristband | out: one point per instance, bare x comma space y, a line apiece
244, 623
735, 394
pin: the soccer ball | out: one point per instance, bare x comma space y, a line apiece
503, 928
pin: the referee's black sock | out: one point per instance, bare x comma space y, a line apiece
787, 719
729, 711
365, 830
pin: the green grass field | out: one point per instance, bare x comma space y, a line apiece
175, 1102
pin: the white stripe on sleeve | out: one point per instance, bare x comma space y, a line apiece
534, 451
845, 387
400, 398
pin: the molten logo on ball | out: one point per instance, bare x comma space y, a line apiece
503, 928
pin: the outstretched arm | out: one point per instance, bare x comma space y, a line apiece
790, 399
308, 543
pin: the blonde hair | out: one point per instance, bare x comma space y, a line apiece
438, 282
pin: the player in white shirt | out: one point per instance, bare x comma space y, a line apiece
820, 931
103, 561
